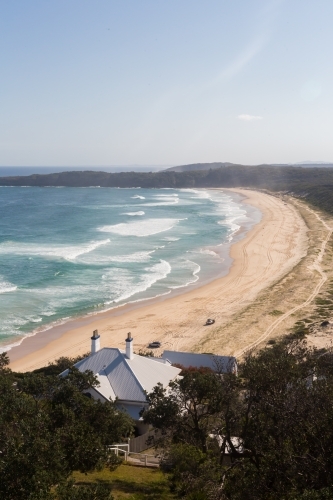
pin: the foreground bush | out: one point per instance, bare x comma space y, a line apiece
48, 429
267, 434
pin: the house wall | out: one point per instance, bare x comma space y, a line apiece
95, 395
141, 427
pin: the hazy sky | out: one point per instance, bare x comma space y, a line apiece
102, 82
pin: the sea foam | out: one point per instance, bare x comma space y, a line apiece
163, 203
194, 268
134, 213
155, 273
50, 251
143, 256
6, 287
141, 228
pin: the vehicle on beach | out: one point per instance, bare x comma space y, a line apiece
210, 322
154, 344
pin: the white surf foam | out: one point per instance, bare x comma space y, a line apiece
6, 287
55, 251
134, 257
141, 228
48, 313
106, 260
188, 190
163, 203
138, 197
34, 319
205, 251
166, 195
126, 287
195, 268
134, 213
202, 195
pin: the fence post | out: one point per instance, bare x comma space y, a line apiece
146, 460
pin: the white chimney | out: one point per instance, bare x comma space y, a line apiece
95, 342
129, 346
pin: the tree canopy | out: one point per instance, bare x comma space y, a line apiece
266, 434
48, 429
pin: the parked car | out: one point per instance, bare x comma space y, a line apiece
155, 344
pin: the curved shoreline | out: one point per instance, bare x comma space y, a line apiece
220, 248
267, 252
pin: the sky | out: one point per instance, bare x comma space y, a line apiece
165, 82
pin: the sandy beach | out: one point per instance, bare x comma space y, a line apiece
261, 259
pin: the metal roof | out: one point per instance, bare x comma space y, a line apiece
187, 359
105, 388
126, 379
150, 372
111, 363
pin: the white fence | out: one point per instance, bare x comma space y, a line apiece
122, 449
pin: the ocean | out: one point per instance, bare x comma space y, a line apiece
69, 252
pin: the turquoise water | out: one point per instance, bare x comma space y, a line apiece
66, 252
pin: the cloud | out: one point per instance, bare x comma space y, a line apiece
249, 118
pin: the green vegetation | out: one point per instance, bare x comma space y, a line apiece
130, 482
266, 434
273, 422
276, 312
50, 428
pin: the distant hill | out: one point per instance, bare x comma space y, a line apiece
15, 171
309, 164
213, 166
313, 184
198, 166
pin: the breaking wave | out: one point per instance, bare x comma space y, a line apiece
141, 228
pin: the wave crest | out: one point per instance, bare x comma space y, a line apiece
141, 228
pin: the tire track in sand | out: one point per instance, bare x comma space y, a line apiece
316, 266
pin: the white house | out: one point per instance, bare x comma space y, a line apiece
125, 377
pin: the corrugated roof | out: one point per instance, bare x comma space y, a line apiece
150, 372
187, 359
126, 379
111, 363
105, 388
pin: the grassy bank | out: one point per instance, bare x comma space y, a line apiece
130, 482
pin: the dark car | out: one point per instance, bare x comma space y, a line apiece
154, 345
